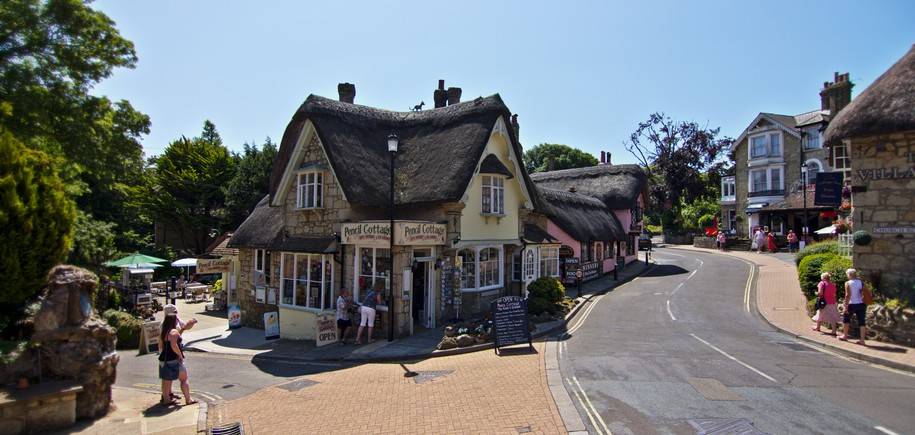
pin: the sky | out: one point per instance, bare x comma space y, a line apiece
579, 73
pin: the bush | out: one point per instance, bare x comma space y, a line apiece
536, 306
808, 273
837, 267
706, 221
114, 299
827, 247
128, 328
548, 288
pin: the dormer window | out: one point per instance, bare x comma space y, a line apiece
493, 195
310, 189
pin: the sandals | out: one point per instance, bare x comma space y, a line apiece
169, 403
190, 402
842, 338
861, 343
815, 329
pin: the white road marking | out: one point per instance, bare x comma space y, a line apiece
746, 292
885, 430
675, 255
582, 402
675, 290
734, 359
671, 314
584, 316
591, 405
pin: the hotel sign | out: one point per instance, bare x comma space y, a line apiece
828, 189
405, 233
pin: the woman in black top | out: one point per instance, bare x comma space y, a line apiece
171, 361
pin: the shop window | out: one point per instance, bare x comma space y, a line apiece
310, 189
373, 264
598, 251
549, 261
630, 244
306, 280
481, 267
493, 195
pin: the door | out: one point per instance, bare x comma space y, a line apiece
419, 311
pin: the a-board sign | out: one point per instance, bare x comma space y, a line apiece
510, 322
571, 265
149, 339
325, 329
271, 325
234, 316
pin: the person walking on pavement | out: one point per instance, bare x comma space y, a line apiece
367, 312
854, 305
722, 240
171, 360
344, 322
760, 240
770, 242
830, 313
792, 242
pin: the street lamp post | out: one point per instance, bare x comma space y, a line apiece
804, 228
392, 147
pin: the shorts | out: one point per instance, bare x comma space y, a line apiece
169, 370
859, 311
368, 316
344, 323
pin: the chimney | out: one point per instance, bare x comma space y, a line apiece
516, 127
454, 96
608, 159
603, 157
440, 96
836, 95
347, 92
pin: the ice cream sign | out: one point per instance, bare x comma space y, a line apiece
405, 233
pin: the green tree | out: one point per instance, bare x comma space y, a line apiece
553, 157
185, 190
250, 182
93, 243
36, 219
679, 158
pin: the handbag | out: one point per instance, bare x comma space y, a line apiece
820, 303
867, 296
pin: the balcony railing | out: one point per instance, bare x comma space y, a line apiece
777, 192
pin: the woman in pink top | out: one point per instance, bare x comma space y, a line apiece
829, 313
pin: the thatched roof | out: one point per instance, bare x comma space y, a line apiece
220, 246
539, 236
886, 106
263, 229
582, 217
617, 186
438, 149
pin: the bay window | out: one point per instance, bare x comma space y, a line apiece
481, 267
765, 145
307, 280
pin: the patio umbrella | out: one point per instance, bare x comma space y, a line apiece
136, 259
186, 263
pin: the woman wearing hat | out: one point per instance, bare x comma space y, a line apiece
170, 323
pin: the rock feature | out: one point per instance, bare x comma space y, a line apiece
75, 343
465, 340
447, 343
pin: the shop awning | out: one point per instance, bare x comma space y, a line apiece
827, 230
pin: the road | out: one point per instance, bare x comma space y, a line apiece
683, 348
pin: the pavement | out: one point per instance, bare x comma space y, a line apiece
437, 399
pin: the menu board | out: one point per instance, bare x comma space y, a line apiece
510, 322
149, 339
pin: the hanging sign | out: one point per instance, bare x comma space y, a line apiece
828, 189
214, 265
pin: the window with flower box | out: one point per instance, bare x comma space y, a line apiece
493, 195
307, 280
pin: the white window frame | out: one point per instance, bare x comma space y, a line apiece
765, 180
772, 145
375, 272
309, 190
768, 173
841, 159
529, 264
812, 162
474, 268
260, 256
493, 195
319, 270
729, 188
812, 139
549, 260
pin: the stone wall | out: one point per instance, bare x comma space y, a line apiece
895, 325
705, 242
883, 204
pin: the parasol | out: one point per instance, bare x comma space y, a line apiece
135, 260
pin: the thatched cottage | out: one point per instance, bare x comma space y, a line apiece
878, 130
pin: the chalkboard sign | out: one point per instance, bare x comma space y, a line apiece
510, 322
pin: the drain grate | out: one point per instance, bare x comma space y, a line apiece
229, 429
724, 426
297, 385
430, 375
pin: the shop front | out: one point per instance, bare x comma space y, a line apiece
409, 276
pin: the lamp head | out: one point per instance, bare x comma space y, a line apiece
392, 142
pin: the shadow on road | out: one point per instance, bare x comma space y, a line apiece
666, 270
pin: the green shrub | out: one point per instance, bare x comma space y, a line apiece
114, 299
536, 306
837, 267
861, 238
706, 220
128, 328
827, 247
808, 272
548, 288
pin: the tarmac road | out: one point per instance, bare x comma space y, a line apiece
683, 348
